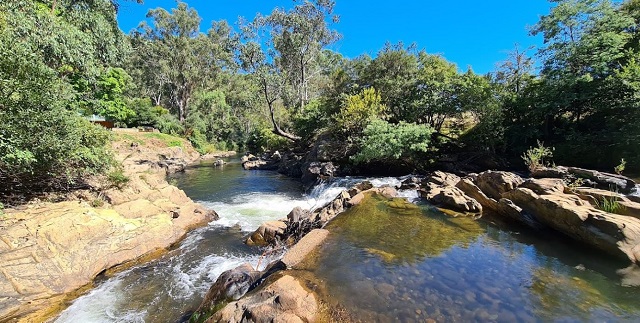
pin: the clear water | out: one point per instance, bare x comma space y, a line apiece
383, 262
396, 262
169, 288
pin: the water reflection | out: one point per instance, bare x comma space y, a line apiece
387, 261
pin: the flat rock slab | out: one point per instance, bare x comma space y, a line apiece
306, 245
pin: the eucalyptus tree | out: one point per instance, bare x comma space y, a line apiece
282, 51
589, 79
174, 58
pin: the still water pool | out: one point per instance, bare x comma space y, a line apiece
390, 261
384, 261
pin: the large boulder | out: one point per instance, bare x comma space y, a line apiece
230, 286
605, 181
616, 234
268, 233
285, 300
306, 245
545, 186
494, 184
441, 179
473, 191
452, 198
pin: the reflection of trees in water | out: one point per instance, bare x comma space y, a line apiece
399, 231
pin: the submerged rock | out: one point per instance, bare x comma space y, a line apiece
616, 234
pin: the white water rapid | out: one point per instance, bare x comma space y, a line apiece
167, 289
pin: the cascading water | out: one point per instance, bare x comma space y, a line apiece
169, 288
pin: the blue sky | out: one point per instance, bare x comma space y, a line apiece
467, 32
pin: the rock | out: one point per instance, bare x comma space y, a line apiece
300, 250
550, 172
510, 210
594, 194
413, 182
298, 214
493, 183
268, 233
630, 208
218, 163
616, 234
54, 249
317, 170
605, 181
276, 156
474, 192
285, 300
360, 187
248, 157
453, 198
442, 179
230, 286
544, 186
259, 165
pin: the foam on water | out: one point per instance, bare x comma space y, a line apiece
138, 294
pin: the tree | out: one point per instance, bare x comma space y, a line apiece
294, 43
584, 95
176, 58
110, 95
45, 74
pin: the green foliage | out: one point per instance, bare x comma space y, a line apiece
620, 168
117, 178
168, 140
44, 145
145, 113
311, 119
265, 140
385, 141
609, 204
358, 110
169, 124
535, 157
110, 94
199, 142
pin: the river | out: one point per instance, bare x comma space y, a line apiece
410, 264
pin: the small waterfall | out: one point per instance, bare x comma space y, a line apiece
636, 191
170, 286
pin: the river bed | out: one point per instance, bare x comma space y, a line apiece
383, 262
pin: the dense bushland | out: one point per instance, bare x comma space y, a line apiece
274, 84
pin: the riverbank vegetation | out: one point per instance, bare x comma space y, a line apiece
273, 84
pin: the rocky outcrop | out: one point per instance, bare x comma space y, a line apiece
548, 202
299, 221
49, 250
602, 180
440, 189
53, 249
268, 233
285, 300
616, 234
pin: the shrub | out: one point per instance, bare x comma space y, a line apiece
358, 110
312, 118
264, 139
169, 124
620, 168
535, 157
117, 178
383, 140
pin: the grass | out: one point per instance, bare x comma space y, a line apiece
169, 140
125, 136
610, 205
